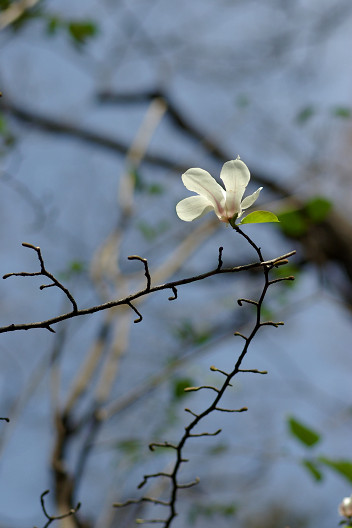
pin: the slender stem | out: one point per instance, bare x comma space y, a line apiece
188, 433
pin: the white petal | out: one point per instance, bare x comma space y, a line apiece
233, 203
201, 182
249, 200
235, 175
193, 207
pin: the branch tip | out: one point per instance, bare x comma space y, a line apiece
220, 262
272, 323
140, 317
191, 412
214, 369
146, 270
194, 389
221, 409
240, 335
249, 301
254, 371
174, 290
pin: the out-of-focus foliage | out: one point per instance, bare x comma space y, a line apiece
304, 434
295, 223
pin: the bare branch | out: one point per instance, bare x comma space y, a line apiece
290, 278
174, 292
243, 409
194, 389
214, 369
124, 301
138, 501
195, 435
191, 412
254, 371
190, 484
146, 269
249, 301
44, 272
266, 266
164, 444
272, 323
220, 262
52, 518
140, 317
240, 335
152, 475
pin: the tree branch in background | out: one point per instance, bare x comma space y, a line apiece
15, 11
56, 126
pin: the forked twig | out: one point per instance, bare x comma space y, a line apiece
173, 476
52, 518
47, 324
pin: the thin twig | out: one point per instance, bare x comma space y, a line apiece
266, 266
126, 300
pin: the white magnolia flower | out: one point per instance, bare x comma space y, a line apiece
345, 508
225, 203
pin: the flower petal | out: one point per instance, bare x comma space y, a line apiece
236, 176
201, 182
233, 203
249, 200
193, 207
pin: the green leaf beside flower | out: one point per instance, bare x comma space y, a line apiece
259, 217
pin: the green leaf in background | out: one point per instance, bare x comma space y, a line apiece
74, 268
305, 114
137, 180
342, 111
210, 510
53, 24
151, 232
155, 188
4, 4
77, 266
313, 469
318, 208
259, 217
293, 223
218, 449
141, 186
242, 101
343, 467
179, 386
131, 449
188, 333
81, 31
304, 434
3, 125
284, 271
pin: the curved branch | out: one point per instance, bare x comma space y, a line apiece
189, 433
47, 324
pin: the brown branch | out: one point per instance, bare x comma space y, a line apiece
15, 11
52, 518
266, 266
182, 122
45, 273
56, 126
47, 324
